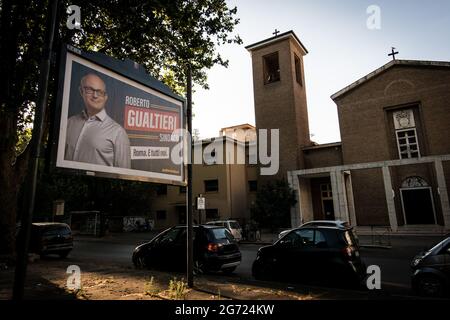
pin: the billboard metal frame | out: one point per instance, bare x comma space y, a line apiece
125, 71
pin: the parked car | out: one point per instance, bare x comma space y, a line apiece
330, 223
313, 254
231, 225
431, 270
51, 238
215, 249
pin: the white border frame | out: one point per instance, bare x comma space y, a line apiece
92, 169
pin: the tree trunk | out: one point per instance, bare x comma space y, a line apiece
8, 187
12, 85
8, 213
12, 177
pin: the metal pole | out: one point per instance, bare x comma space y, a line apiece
190, 229
95, 225
24, 235
200, 211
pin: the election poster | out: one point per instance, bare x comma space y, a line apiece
113, 125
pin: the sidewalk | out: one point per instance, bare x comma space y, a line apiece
48, 281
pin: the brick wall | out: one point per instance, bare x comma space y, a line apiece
364, 113
370, 199
282, 105
322, 157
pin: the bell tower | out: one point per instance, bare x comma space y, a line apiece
280, 95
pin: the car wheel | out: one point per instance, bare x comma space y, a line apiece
262, 271
139, 262
228, 270
199, 267
431, 286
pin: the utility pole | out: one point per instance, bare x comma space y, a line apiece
24, 234
190, 229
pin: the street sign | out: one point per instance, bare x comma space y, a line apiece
58, 207
201, 203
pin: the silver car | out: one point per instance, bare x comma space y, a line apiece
318, 223
232, 225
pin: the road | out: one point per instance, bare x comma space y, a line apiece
119, 253
394, 263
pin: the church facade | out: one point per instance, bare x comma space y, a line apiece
392, 168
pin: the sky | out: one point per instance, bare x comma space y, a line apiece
341, 48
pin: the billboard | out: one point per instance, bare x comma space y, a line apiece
116, 121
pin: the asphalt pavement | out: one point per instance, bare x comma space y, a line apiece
394, 262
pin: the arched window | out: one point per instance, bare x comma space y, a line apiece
414, 182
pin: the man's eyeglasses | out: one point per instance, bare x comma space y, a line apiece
99, 92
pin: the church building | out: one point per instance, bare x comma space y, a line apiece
391, 169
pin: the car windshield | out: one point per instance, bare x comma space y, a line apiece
222, 234
167, 236
234, 225
439, 245
52, 231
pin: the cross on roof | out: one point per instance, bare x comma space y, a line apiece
276, 32
393, 53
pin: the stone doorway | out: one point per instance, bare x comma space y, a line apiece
417, 202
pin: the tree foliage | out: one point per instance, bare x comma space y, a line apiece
162, 35
83, 193
273, 204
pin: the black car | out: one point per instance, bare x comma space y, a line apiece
215, 249
51, 238
431, 270
314, 255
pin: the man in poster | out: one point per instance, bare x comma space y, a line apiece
92, 136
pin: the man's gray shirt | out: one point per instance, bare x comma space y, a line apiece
97, 140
